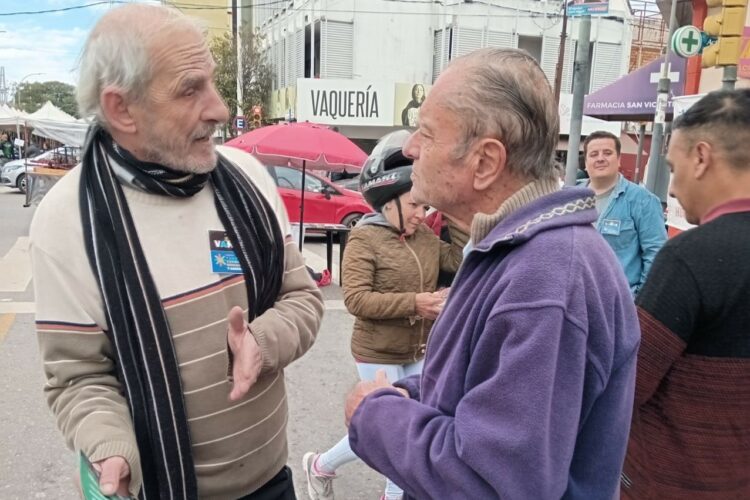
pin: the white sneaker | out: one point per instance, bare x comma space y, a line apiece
318, 487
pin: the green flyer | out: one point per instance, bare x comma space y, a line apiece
90, 482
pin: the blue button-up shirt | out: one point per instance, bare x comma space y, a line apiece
633, 225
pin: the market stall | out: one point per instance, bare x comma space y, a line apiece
50, 122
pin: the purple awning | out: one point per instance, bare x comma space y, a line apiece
633, 96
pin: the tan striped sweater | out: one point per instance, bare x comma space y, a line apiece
237, 447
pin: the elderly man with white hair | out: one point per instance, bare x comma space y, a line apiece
169, 295
528, 379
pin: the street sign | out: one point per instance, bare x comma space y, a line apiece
587, 7
687, 41
239, 123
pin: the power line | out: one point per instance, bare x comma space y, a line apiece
119, 2
515, 14
193, 6
182, 6
527, 14
122, 2
61, 9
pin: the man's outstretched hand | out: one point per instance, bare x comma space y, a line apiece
365, 388
247, 360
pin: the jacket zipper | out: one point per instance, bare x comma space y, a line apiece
421, 289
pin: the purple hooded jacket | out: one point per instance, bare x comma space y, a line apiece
527, 388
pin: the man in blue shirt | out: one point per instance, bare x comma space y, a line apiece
631, 218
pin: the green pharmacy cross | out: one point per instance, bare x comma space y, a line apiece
687, 41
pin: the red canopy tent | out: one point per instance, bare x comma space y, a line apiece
302, 145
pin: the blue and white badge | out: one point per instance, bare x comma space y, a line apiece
611, 227
223, 258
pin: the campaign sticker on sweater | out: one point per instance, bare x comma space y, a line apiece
223, 258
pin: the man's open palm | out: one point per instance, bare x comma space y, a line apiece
247, 360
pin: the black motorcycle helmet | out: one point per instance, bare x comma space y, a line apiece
387, 172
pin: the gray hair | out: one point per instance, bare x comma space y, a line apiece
505, 94
116, 53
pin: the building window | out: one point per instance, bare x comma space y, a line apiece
532, 45
607, 64
441, 51
337, 40
310, 51
591, 69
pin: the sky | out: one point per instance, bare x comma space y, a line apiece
47, 43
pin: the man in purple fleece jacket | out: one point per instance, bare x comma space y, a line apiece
527, 388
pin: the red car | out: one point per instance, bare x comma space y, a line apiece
325, 202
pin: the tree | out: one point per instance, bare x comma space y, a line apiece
257, 73
225, 75
32, 95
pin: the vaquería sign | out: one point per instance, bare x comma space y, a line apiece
345, 102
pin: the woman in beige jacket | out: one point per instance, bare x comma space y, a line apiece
390, 272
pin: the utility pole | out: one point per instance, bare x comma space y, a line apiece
237, 4
3, 87
657, 180
639, 158
729, 77
580, 73
561, 53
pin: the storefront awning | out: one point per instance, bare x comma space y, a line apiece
633, 97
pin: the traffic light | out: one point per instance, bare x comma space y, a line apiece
727, 28
257, 116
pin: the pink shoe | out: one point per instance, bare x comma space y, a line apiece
325, 278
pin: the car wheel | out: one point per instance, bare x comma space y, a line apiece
21, 183
351, 220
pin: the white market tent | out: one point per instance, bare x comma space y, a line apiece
69, 133
48, 121
10, 116
52, 113
52, 122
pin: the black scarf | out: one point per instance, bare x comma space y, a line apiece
137, 324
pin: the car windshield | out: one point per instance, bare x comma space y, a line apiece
291, 178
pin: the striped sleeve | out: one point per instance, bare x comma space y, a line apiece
288, 329
81, 386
